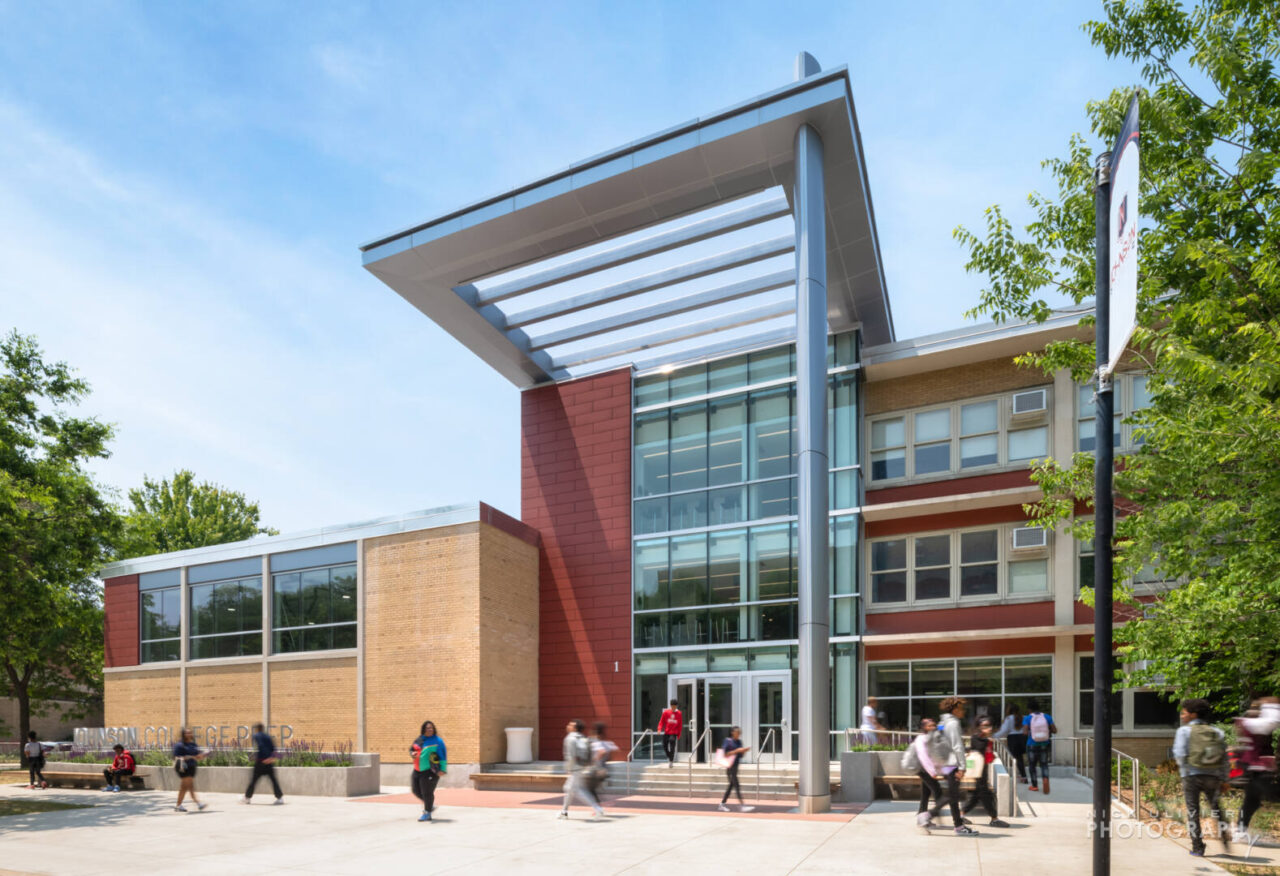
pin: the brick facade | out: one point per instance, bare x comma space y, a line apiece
142, 699
317, 698
224, 695
120, 626
949, 385
576, 491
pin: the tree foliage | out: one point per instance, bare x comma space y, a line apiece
1204, 489
179, 514
56, 529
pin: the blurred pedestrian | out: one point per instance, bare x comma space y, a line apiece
264, 764
186, 754
731, 752
430, 760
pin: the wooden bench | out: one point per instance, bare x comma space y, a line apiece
137, 781
897, 785
530, 781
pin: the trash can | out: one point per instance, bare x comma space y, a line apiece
519, 744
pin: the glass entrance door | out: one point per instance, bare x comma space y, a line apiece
714, 703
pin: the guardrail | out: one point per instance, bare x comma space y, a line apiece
631, 754
693, 753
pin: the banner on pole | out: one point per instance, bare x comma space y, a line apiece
1124, 236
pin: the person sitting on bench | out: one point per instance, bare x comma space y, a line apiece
122, 765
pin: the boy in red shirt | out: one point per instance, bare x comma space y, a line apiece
670, 725
121, 765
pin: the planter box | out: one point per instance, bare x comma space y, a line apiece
360, 778
860, 769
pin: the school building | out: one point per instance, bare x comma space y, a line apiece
740, 488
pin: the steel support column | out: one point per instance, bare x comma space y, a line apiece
811, 415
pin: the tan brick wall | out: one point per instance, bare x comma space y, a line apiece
316, 697
1152, 750
54, 726
224, 695
950, 384
142, 699
422, 655
508, 640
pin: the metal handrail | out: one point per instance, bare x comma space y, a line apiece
631, 754
759, 752
693, 753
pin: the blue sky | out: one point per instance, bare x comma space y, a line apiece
183, 187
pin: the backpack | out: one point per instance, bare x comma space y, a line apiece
582, 751
1039, 728
1206, 750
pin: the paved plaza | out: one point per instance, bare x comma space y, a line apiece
494, 832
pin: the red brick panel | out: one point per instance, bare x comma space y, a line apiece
976, 617
576, 491
967, 648
1006, 480
949, 520
120, 607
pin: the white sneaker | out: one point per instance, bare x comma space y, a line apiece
245, 800
600, 813
279, 802
179, 809
563, 814
200, 806
723, 808
1239, 835
747, 809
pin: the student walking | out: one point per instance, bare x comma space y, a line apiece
1039, 728
185, 756
577, 760
35, 761
731, 752
921, 758
264, 764
601, 750
1201, 751
1015, 737
953, 709
671, 725
430, 760
122, 764
1259, 759
982, 744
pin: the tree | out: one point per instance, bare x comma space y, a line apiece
56, 529
1203, 493
180, 514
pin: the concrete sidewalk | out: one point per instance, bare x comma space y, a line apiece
482, 832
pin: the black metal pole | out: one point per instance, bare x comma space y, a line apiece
1103, 504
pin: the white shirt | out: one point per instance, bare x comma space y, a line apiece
868, 718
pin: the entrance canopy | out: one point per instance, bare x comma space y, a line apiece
675, 247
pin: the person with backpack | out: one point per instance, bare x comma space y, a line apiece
921, 758
430, 760
1015, 737
264, 764
730, 756
1259, 760
121, 765
1039, 728
35, 761
671, 725
186, 755
577, 760
1201, 752
982, 793
601, 750
953, 709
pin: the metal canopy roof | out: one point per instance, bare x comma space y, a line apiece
660, 251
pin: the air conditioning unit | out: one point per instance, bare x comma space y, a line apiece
1030, 538
1030, 405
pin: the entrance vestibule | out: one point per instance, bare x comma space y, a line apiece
714, 702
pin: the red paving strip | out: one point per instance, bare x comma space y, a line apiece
705, 806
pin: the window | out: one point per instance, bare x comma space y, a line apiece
962, 565
951, 439
1129, 395
226, 618
910, 690
313, 602
1131, 708
1148, 580
160, 616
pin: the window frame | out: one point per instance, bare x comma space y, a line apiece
1004, 556
192, 638
1004, 428
1127, 724
1004, 694
142, 624
1124, 393
270, 642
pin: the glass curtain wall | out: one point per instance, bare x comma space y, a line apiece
715, 574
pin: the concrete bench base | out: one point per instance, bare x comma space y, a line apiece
530, 781
908, 787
